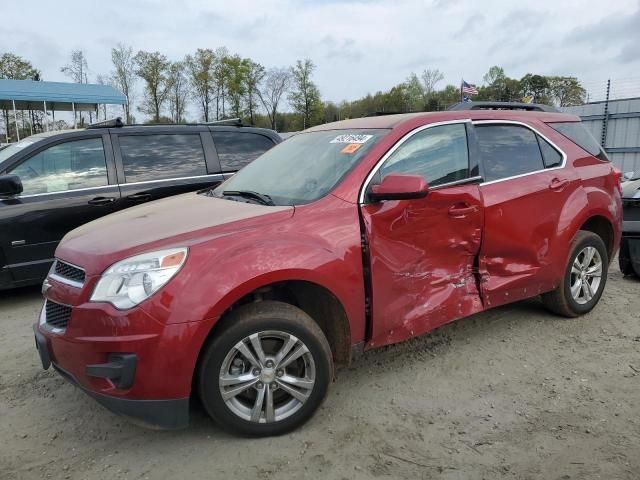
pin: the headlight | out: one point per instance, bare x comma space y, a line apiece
127, 283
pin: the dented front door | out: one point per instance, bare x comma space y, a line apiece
423, 257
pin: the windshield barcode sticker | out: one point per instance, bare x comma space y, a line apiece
350, 138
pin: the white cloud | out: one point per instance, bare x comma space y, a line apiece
358, 46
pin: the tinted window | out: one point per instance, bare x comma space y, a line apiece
155, 157
507, 150
237, 149
439, 154
66, 166
551, 157
579, 135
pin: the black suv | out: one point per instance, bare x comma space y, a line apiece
630, 246
51, 183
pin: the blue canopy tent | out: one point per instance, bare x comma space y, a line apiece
56, 96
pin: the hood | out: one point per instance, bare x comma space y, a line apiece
175, 221
630, 188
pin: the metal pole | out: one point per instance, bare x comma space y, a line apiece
73, 107
15, 118
44, 119
605, 120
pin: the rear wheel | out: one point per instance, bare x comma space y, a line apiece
267, 371
584, 279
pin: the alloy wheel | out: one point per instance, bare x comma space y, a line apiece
586, 275
267, 376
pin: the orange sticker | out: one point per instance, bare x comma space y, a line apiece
351, 148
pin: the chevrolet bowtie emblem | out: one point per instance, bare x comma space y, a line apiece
45, 286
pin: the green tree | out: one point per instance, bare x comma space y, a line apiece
236, 69
153, 68
14, 67
537, 87
567, 91
200, 68
254, 74
304, 96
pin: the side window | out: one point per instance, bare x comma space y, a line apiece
439, 154
550, 156
237, 149
157, 157
507, 151
578, 134
66, 166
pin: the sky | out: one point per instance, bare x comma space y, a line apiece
359, 47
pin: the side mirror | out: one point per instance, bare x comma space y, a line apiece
10, 185
399, 187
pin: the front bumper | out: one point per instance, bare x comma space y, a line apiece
156, 414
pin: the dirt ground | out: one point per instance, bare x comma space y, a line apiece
511, 393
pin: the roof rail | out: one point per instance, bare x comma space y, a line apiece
236, 122
111, 123
530, 107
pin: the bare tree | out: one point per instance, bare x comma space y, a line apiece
276, 83
430, 78
124, 75
178, 91
78, 70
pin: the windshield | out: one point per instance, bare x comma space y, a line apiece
303, 168
15, 148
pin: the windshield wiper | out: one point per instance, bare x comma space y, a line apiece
263, 198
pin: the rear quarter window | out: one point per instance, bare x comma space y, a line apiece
579, 135
237, 149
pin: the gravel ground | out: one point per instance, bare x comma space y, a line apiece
511, 393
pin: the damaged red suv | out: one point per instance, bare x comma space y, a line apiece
346, 237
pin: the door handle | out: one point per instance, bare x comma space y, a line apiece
139, 197
101, 201
557, 185
460, 211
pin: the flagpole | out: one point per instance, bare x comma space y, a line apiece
461, 94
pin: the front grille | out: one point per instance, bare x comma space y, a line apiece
69, 272
57, 315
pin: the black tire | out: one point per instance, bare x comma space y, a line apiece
560, 300
240, 324
624, 259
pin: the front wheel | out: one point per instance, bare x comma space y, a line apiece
267, 371
584, 279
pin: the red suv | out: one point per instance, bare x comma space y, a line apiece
346, 237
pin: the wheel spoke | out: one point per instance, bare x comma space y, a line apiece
297, 353
595, 270
295, 393
286, 348
232, 392
297, 381
257, 346
229, 380
585, 291
269, 411
575, 288
574, 269
588, 256
256, 411
244, 350
589, 289
577, 265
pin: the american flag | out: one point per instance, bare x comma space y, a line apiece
469, 88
